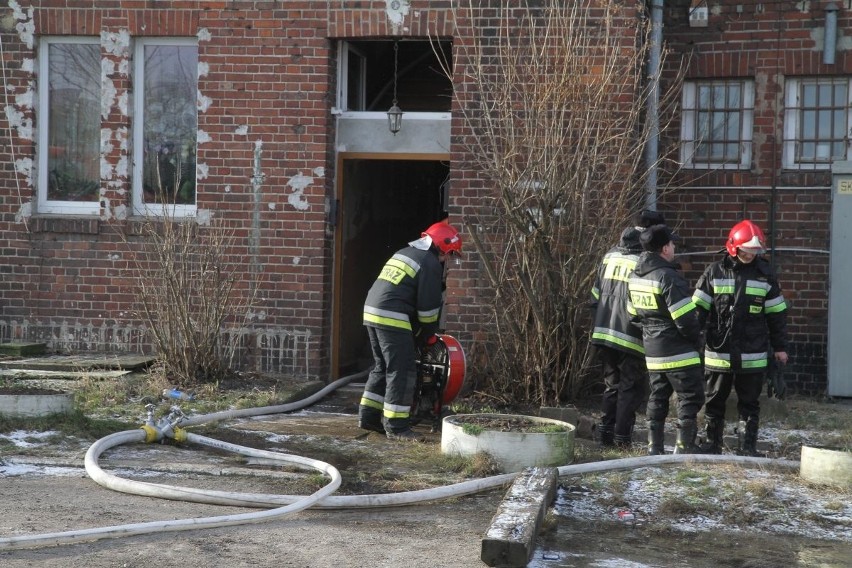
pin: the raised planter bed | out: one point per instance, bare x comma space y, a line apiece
829, 466
513, 441
22, 402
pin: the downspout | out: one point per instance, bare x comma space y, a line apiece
653, 103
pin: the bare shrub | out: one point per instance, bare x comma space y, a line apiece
189, 284
551, 96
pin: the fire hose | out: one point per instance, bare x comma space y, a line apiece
282, 506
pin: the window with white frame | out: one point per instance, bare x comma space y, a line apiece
165, 126
69, 103
816, 122
717, 125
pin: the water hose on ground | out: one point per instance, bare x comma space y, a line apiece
286, 505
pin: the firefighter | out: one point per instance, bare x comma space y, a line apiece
662, 303
401, 314
741, 305
618, 342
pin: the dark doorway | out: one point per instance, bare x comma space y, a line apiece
383, 204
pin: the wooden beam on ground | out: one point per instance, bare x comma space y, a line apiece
510, 540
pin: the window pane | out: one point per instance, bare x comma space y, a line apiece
703, 97
718, 126
825, 92
840, 94
733, 126
839, 123
809, 124
808, 150
73, 152
170, 123
808, 95
732, 151
824, 124
838, 150
703, 125
734, 96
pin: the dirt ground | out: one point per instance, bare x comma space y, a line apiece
45, 489
54, 494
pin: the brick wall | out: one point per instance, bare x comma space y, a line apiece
766, 42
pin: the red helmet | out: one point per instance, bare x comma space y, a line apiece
747, 237
445, 237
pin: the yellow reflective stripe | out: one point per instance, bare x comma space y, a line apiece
428, 316
405, 264
716, 363
775, 305
624, 340
723, 286
596, 293
702, 299
371, 403
755, 364
686, 306
391, 322
755, 309
618, 267
673, 362
396, 411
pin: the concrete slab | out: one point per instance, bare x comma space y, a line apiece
510, 540
82, 362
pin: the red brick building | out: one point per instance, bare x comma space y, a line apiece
272, 115
772, 80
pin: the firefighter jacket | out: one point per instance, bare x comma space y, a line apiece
407, 296
610, 297
662, 302
744, 312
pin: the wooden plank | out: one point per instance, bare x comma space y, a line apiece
510, 540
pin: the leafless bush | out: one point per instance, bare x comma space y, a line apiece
552, 101
189, 284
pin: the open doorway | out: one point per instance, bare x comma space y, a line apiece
385, 201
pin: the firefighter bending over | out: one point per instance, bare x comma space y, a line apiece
401, 314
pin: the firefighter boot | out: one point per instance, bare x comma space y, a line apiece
747, 437
714, 430
686, 432
607, 433
623, 441
656, 433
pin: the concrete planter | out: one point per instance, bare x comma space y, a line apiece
830, 466
513, 450
30, 405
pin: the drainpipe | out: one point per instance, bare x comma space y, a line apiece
652, 148
830, 45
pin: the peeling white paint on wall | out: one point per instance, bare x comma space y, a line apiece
202, 170
24, 166
116, 43
270, 206
19, 122
25, 99
204, 35
227, 189
202, 137
319, 172
242, 130
297, 260
122, 168
122, 137
297, 199
106, 140
203, 102
106, 168
108, 90
28, 65
122, 102
25, 212
120, 212
204, 217
203, 69
26, 24
397, 10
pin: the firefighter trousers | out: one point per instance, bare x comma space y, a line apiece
689, 386
389, 391
748, 387
625, 389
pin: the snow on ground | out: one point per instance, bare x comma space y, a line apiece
711, 497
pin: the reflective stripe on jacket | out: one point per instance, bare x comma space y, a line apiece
662, 301
610, 297
744, 312
407, 295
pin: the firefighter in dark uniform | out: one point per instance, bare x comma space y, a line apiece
618, 342
662, 303
401, 314
741, 303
